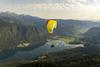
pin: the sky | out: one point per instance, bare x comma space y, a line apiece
59, 9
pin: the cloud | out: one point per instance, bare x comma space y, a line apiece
31, 1
64, 3
70, 9
16, 1
49, 1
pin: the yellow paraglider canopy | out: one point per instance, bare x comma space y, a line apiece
51, 25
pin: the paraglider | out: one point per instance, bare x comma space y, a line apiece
51, 25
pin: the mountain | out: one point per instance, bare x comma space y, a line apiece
15, 29
13, 34
65, 27
92, 37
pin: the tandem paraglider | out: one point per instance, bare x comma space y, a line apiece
51, 25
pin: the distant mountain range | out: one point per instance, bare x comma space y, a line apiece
16, 28
92, 37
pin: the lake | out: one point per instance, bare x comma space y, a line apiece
50, 46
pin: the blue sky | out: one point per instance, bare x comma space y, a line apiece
63, 9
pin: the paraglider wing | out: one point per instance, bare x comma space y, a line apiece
55, 25
51, 25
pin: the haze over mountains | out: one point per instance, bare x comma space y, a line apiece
24, 28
